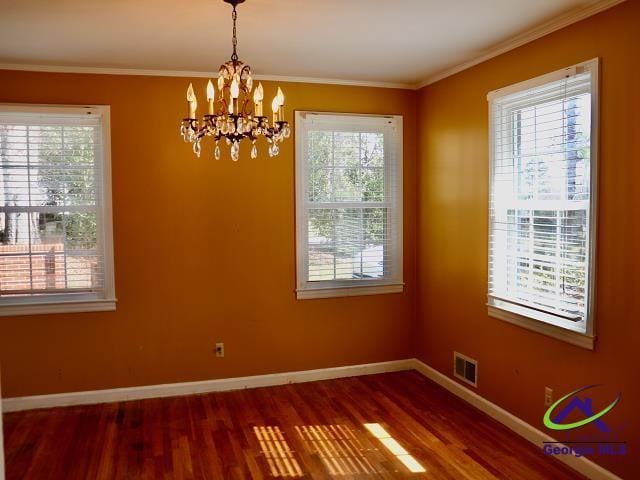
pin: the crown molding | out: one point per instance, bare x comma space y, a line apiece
194, 74
334, 81
551, 26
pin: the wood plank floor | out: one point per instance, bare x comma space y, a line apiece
311, 430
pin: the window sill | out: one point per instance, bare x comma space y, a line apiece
50, 307
348, 291
573, 337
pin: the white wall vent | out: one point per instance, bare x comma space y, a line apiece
465, 368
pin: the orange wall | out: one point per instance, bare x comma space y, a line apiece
516, 364
234, 279
238, 287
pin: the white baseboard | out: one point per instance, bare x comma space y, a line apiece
580, 464
189, 388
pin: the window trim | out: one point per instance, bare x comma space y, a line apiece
537, 322
347, 287
75, 302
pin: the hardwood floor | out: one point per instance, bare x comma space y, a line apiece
311, 430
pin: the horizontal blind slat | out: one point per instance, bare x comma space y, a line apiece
540, 191
50, 192
350, 190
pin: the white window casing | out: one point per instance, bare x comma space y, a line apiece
56, 240
348, 204
542, 205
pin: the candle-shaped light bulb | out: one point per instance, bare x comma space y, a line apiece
280, 96
275, 105
258, 95
211, 96
235, 93
190, 93
192, 100
220, 82
235, 88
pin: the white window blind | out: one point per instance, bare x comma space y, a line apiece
349, 204
55, 230
542, 198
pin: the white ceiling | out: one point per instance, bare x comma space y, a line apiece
394, 41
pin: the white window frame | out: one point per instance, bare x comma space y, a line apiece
349, 287
75, 302
523, 317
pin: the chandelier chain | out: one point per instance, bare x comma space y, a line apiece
234, 16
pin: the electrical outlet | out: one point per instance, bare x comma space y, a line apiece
219, 349
548, 396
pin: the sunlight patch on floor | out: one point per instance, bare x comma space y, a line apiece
394, 447
338, 448
277, 452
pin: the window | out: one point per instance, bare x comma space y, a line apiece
55, 210
349, 204
542, 205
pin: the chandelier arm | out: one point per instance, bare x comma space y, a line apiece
202, 131
245, 103
225, 105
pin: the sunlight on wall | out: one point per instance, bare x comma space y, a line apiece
277, 452
394, 447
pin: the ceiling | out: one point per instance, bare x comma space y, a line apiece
392, 41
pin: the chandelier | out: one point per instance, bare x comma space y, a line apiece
231, 116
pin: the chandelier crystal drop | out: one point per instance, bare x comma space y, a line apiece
235, 114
